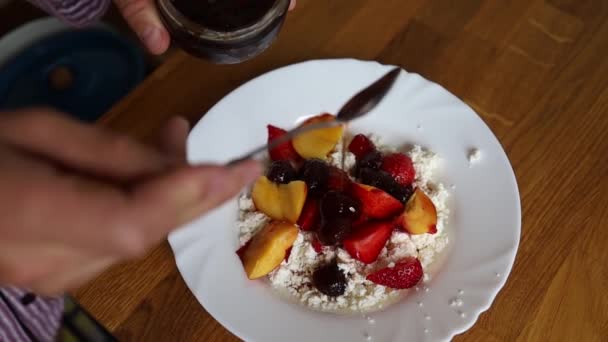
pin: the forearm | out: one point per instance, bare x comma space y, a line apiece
77, 13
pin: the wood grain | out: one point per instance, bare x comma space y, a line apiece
535, 71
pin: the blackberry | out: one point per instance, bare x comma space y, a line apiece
281, 172
330, 280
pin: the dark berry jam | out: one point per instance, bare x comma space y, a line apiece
224, 15
223, 31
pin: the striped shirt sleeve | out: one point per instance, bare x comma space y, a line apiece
37, 320
77, 13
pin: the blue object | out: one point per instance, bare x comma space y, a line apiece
80, 72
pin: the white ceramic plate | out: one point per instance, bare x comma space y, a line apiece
485, 211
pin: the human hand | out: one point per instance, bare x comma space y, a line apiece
143, 18
77, 198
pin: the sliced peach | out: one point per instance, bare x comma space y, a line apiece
265, 195
279, 201
267, 248
420, 215
318, 143
292, 197
375, 203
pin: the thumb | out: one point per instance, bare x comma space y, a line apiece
142, 17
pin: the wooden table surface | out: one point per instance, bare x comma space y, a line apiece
536, 72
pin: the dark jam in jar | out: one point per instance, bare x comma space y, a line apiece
223, 31
224, 15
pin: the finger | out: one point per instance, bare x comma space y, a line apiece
171, 201
172, 138
142, 17
110, 222
79, 146
56, 207
106, 220
292, 5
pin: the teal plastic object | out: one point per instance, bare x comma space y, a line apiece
80, 72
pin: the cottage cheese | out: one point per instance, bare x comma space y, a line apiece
335, 158
293, 277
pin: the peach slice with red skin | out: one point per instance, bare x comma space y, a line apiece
282, 202
268, 248
318, 143
420, 215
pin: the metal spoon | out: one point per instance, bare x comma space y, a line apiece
360, 104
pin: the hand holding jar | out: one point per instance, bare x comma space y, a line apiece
223, 31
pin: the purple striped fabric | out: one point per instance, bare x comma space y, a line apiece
77, 13
41, 318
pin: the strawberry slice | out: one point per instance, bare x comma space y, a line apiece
361, 145
317, 245
338, 179
376, 203
406, 273
309, 218
284, 151
366, 243
362, 220
400, 167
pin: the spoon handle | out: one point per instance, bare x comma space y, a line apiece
284, 138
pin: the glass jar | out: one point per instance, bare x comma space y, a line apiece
223, 31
